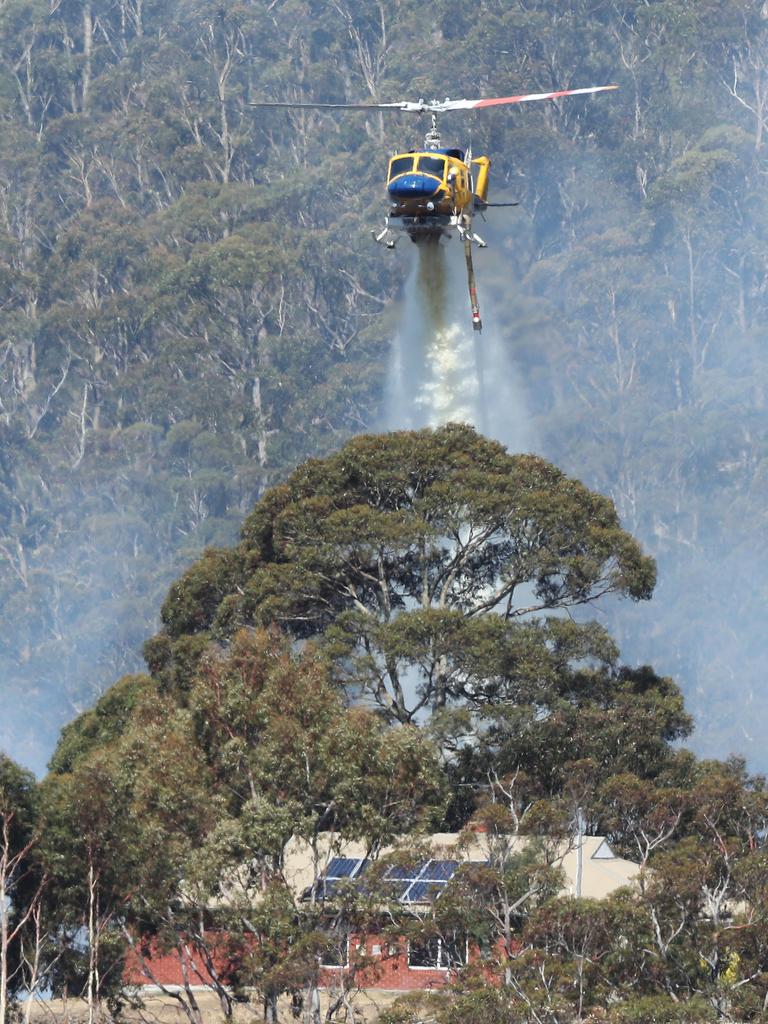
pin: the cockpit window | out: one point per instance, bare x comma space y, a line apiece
432, 165
401, 165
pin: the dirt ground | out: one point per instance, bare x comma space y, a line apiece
158, 1009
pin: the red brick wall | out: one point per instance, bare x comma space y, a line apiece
387, 970
165, 968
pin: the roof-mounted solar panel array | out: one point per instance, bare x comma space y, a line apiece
340, 869
423, 883
410, 883
440, 870
344, 867
423, 892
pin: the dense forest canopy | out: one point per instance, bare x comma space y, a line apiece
191, 303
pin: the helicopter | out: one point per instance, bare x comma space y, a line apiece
433, 190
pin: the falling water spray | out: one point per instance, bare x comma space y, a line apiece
441, 370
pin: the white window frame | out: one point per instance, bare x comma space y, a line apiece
438, 966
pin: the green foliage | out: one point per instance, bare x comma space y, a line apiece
176, 824
163, 361
397, 549
193, 600
662, 1010
256, 706
18, 802
191, 307
20, 878
173, 803
192, 304
101, 725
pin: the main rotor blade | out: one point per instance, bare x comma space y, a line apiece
434, 106
405, 105
501, 100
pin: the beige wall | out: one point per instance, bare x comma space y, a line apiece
588, 872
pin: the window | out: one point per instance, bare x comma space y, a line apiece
400, 165
432, 165
437, 954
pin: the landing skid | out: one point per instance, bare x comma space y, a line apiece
430, 230
467, 235
385, 237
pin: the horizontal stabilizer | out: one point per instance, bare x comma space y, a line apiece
481, 204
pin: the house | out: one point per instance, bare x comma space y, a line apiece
590, 869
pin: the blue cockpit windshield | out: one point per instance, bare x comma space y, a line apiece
400, 165
432, 165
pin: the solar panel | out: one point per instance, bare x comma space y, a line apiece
439, 870
409, 883
404, 871
423, 892
397, 887
339, 869
324, 888
423, 882
343, 867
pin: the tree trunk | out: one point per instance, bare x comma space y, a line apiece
87, 54
261, 436
3, 936
192, 1007
93, 943
270, 1008
32, 982
312, 1003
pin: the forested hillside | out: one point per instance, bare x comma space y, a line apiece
191, 302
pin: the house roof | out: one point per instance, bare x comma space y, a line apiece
590, 867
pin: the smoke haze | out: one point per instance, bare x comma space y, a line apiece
442, 371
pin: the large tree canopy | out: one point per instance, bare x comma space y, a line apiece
186, 315
414, 555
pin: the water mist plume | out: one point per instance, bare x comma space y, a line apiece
442, 371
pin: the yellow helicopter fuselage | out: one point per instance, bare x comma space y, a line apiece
426, 188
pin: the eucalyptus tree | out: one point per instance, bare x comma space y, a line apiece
20, 880
414, 556
168, 828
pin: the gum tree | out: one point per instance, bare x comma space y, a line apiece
20, 883
413, 555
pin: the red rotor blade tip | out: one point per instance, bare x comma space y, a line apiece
534, 96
